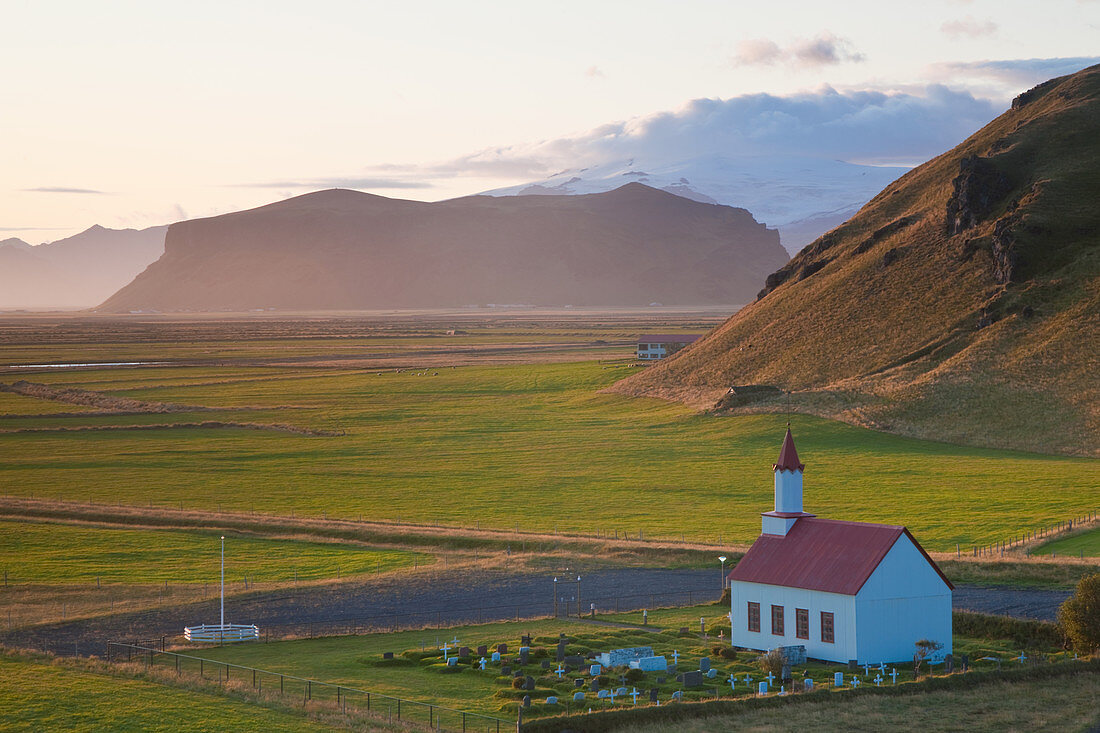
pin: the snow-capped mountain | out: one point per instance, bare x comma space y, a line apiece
801, 196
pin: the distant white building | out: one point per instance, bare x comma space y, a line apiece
844, 590
660, 345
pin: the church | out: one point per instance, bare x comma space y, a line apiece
843, 590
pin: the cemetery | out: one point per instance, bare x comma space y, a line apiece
558, 667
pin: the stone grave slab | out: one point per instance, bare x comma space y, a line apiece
482, 650
650, 664
704, 664
623, 657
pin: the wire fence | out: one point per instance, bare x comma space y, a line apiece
311, 693
1025, 538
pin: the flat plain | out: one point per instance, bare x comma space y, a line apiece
288, 426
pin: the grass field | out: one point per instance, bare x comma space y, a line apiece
1063, 704
1081, 544
532, 445
65, 554
42, 696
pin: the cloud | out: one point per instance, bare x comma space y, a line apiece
968, 26
32, 229
64, 189
340, 183
1017, 74
825, 49
865, 125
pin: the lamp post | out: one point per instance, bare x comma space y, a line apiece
555, 597
223, 583
722, 559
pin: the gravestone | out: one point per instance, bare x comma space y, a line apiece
685, 631
526, 701
785, 674
518, 674
650, 664
691, 679
621, 692
529, 683
496, 656
594, 685
561, 651
793, 655
575, 661
464, 651
387, 655
525, 640
704, 664
505, 670
853, 665
551, 700
949, 664
808, 685
502, 648
623, 657
545, 664
965, 662
595, 670
653, 694
838, 679
578, 696
712, 673
524, 654
762, 687
678, 695
482, 650
452, 662
603, 693
578, 682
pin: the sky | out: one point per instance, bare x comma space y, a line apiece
135, 114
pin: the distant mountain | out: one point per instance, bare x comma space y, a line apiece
802, 197
961, 304
76, 272
338, 249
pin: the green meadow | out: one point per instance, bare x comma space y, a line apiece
41, 696
1081, 544
69, 554
533, 446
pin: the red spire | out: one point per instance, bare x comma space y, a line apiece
788, 456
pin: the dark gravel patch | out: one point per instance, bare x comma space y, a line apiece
450, 599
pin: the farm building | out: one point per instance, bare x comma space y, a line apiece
843, 590
658, 346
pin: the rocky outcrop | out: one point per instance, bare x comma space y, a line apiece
978, 188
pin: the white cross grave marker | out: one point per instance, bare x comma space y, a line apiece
878, 680
634, 695
894, 675
866, 670
771, 678
611, 694
733, 681
454, 641
855, 682
481, 664
675, 656
445, 647
1022, 658
559, 671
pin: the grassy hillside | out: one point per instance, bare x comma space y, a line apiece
961, 303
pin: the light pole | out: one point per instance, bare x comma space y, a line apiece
722, 559
223, 584
555, 597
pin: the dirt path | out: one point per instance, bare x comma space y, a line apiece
449, 599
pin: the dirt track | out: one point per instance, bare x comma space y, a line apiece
447, 600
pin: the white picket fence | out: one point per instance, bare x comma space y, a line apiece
218, 633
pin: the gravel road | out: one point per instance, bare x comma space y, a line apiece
450, 599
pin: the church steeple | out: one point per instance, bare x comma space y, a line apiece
788, 490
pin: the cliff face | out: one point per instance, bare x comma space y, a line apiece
337, 250
961, 303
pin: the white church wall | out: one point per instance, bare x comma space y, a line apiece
903, 601
842, 607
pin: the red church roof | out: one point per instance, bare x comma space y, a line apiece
788, 456
822, 554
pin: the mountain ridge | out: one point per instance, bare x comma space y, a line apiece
345, 250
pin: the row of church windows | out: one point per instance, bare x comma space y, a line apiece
801, 622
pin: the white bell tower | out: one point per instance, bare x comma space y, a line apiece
788, 491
